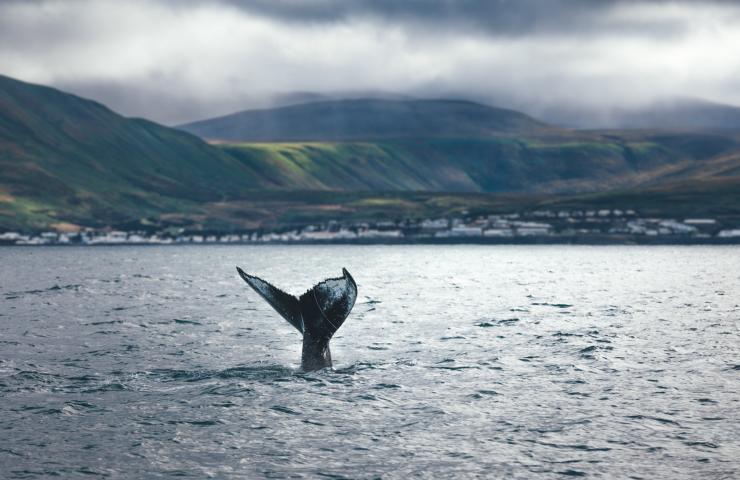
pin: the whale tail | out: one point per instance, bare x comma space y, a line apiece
317, 314
283, 303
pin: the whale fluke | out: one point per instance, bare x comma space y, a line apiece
285, 304
317, 314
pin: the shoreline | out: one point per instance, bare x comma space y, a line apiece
603, 240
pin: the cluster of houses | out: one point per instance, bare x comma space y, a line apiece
541, 224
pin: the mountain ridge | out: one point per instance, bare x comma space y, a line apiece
68, 162
674, 113
365, 119
667, 113
60, 153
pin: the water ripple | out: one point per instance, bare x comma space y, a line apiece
458, 362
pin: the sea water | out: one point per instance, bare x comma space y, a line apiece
457, 361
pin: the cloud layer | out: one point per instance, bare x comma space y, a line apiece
177, 61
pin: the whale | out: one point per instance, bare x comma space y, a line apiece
317, 314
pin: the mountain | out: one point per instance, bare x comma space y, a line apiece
365, 119
67, 162
62, 156
667, 114
297, 97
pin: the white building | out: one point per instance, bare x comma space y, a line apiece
463, 231
678, 227
372, 233
530, 229
729, 233
700, 222
317, 235
437, 224
498, 232
344, 234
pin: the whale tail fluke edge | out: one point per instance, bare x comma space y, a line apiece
319, 312
285, 304
326, 306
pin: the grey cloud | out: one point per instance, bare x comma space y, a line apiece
153, 100
180, 60
514, 18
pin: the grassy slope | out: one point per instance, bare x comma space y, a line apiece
657, 173
322, 181
719, 198
674, 182
64, 158
566, 162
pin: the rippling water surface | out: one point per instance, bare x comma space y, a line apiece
516, 362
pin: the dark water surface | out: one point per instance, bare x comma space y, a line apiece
457, 361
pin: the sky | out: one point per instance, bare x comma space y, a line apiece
175, 61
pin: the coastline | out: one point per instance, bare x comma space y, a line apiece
594, 240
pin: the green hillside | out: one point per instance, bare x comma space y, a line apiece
68, 162
64, 158
566, 163
714, 197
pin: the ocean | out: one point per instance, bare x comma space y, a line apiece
456, 362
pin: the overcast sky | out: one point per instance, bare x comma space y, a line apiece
180, 60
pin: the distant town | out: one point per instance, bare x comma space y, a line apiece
541, 226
